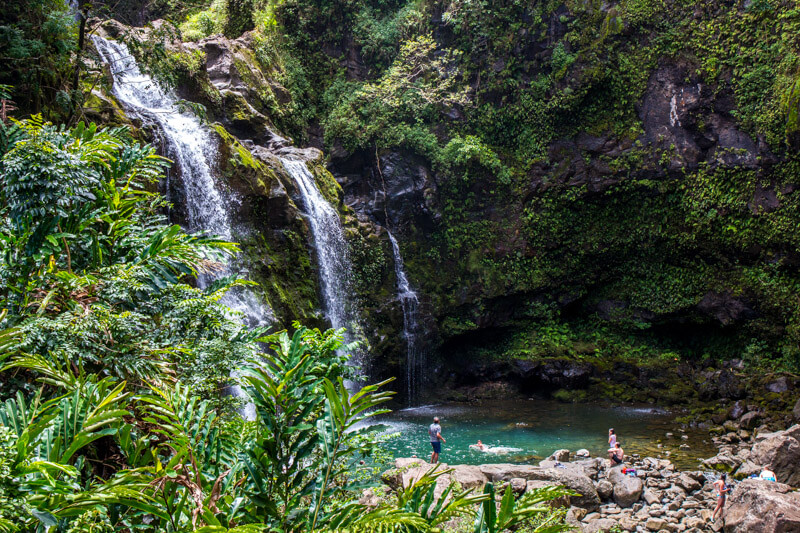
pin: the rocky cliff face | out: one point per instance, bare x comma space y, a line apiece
551, 172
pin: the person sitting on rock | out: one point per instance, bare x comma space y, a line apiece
722, 494
768, 474
481, 447
616, 454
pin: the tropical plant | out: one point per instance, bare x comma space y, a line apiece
512, 512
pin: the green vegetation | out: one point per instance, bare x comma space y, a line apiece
116, 412
485, 94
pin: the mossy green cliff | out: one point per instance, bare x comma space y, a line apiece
563, 177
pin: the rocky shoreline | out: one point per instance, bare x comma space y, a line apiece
656, 497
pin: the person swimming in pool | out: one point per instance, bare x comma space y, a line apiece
481, 447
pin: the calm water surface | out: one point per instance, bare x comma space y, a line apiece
536, 428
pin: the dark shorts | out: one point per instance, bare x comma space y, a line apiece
437, 447
616, 459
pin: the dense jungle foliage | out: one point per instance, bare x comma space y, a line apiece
607, 180
555, 191
117, 411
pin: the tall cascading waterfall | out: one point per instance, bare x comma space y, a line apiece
333, 256
192, 147
415, 354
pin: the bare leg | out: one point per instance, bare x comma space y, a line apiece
434, 458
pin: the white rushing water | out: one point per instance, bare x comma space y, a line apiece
192, 147
333, 256
415, 354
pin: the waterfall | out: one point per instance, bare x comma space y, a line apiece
415, 355
333, 256
193, 148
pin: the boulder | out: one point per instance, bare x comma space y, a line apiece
651, 497
518, 485
737, 410
573, 478
591, 467
781, 384
694, 522
655, 524
722, 462
369, 498
796, 411
750, 420
627, 489
781, 452
687, 483
505, 471
562, 456
757, 506
469, 476
558, 502
402, 466
599, 525
604, 489
583, 452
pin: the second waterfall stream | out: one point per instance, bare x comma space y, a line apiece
333, 256
415, 354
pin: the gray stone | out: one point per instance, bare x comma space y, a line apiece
781, 384
469, 476
599, 525
781, 452
583, 452
655, 524
572, 477
750, 420
651, 497
561, 456
796, 411
694, 522
604, 489
722, 462
558, 502
687, 483
518, 485
627, 489
506, 472
758, 506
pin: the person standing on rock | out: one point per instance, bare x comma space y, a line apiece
435, 432
722, 494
